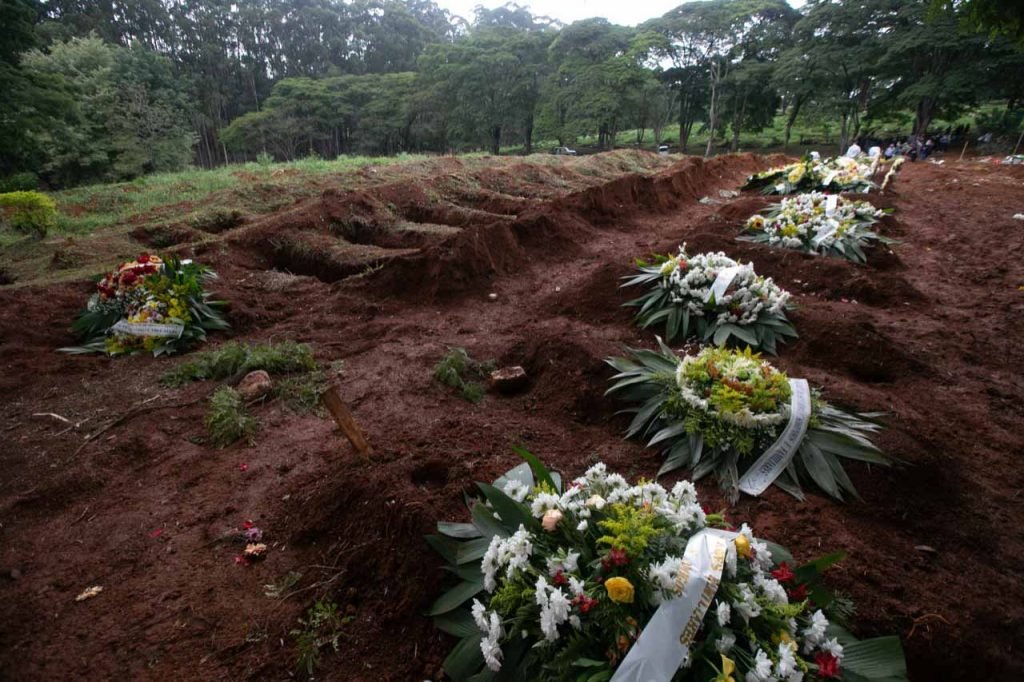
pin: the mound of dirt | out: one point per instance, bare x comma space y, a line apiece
146, 508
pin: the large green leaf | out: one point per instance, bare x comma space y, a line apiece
466, 658
471, 550
486, 524
539, 470
458, 622
512, 513
456, 597
879, 658
819, 469
462, 531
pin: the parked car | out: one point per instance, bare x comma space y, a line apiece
564, 151
663, 149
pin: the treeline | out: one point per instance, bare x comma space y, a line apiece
113, 89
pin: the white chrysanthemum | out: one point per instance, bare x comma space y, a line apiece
567, 562
662, 577
513, 553
490, 645
723, 613
725, 643
762, 670
516, 490
787, 667
554, 608
833, 647
814, 633
747, 606
771, 588
542, 502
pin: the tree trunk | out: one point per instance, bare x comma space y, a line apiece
496, 140
711, 111
790, 120
923, 117
529, 134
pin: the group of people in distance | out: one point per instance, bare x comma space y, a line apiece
913, 147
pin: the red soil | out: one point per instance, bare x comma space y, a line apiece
932, 334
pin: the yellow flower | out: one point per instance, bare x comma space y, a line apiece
668, 266
782, 636
796, 175
728, 668
619, 590
742, 546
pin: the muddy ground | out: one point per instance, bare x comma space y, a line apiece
385, 279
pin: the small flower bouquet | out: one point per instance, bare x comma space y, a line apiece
838, 174
610, 581
714, 298
149, 305
818, 223
734, 414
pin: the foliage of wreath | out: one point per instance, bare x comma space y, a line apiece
803, 223
149, 290
558, 584
751, 313
834, 174
718, 411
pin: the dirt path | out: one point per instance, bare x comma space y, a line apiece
932, 335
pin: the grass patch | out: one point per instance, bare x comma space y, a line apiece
228, 419
234, 358
459, 371
321, 627
301, 393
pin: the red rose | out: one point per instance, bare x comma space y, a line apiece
560, 579
783, 574
618, 557
144, 258
828, 665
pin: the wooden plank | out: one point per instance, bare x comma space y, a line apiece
334, 404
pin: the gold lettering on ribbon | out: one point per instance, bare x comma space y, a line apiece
713, 578
683, 575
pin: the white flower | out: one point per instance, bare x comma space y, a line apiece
478, 612
747, 606
815, 632
723, 613
762, 671
771, 588
581, 526
787, 667
725, 643
576, 586
596, 501
833, 647
662, 577
567, 562
513, 553
554, 608
490, 645
542, 502
516, 490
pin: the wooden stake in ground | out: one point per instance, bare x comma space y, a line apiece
332, 401
964, 151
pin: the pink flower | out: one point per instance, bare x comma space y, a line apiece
551, 519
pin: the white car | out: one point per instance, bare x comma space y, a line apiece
564, 151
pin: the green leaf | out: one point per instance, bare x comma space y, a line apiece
446, 547
485, 523
539, 470
458, 623
462, 531
512, 513
819, 469
465, 659
881, 657
471, 550
721, 335
521, 473
456, 597
668, 432
743, 334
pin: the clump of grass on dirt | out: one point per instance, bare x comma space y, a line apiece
458, 370
236, 358
321, 627
228, 419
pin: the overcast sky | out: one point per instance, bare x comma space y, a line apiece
625, 12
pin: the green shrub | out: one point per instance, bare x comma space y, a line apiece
31, 213
19, 182
228, 419
321, 627
459, 371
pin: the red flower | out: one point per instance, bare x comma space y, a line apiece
241, 561
828, 665
144, 258
618, 557
128, 277
156, 533
560, 579
798, 593
783, 574
248, 524
584, 602
242, 466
